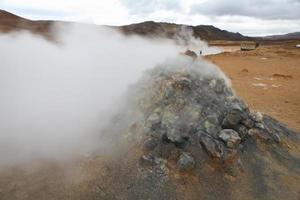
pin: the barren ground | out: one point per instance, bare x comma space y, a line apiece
267, 79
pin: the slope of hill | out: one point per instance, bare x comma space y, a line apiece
11, 22
170, 30
289, 36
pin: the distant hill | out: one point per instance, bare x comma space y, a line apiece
159, 29
289, 36
10, 22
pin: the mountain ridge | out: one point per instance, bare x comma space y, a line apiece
11, 22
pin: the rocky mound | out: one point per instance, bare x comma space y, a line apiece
197, 140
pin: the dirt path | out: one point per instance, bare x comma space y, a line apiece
268, 79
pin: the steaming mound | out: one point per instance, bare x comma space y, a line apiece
185, 135
182, 134
197, 140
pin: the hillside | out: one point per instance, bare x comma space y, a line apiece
170, 30
289, 36
11, 22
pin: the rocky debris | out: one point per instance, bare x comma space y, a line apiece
190, 110
192, 130
185, 162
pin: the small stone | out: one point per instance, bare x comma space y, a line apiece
248, 123
212, 146
229, 154
185, 162
230, 137
232, 119
211, 125
147, 160
262, 135
242, 131
252, 131
256, 116
154, 118
174, 135
277, 138
212, 83
259, 125
150, 143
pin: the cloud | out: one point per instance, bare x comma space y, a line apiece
262, 9
144, 7
249, 17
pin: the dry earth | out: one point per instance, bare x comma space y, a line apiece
267, 79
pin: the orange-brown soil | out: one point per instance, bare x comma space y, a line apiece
267, 79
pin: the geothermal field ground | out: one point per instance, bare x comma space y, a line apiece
267, 78
146, 111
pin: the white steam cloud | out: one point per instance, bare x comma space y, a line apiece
54, 98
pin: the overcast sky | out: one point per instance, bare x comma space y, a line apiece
249, 17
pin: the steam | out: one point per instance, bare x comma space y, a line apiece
56, 97
185, 37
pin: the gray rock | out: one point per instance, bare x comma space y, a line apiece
185, 162
256, 116
242, 131
212, 146
175, 135
233, 118
277, 138
230, 137
150, 143
151, 123
154, 118
260, 125
248, 123
211, 125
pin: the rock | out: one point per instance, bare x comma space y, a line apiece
154, 118
190, 53
252, 131
248, 123
256, 116
169, 91
185, 162
229, 154
260, 134
242, 131
152, 123
220, 85
169, 123
181, 82
230, 137
277, 138
211, 125
175, 135
147, 160
260, 125
150, 143
233, 118
212, 146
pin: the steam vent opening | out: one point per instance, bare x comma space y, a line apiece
193, 138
